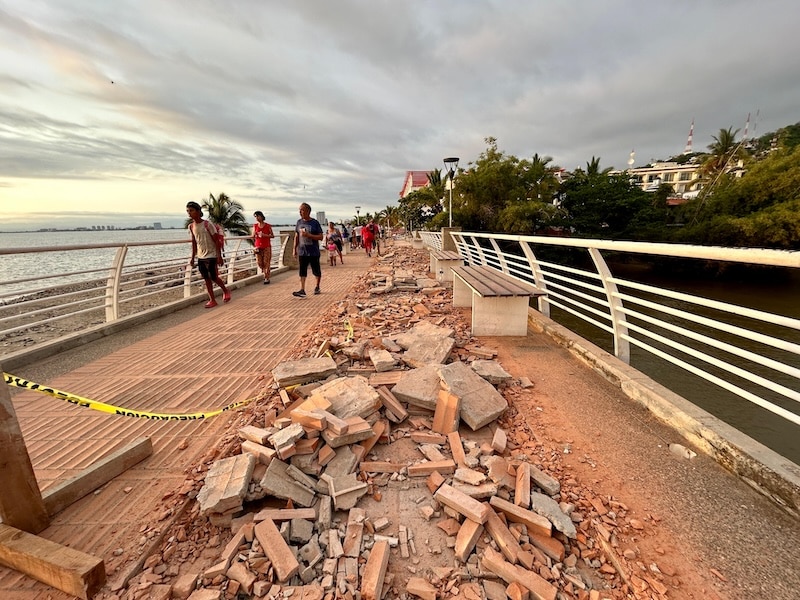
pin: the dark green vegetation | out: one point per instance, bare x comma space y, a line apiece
502, 193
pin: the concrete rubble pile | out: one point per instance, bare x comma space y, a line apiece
389, 464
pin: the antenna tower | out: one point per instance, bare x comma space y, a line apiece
688, 149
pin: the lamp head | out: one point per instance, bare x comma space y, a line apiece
451, 164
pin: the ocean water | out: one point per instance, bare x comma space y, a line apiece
21, 271
41, 265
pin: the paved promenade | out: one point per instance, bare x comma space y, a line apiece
199, 359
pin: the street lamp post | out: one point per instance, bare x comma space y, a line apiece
358, 215
450, 165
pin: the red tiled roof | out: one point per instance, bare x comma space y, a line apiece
413, 181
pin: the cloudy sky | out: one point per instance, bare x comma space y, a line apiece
121, 112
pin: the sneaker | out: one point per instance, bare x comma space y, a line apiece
316, 291
266, 281
211, 304
299, 294
226, 297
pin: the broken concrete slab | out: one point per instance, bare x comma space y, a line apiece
428, 351
491, 371
305, 370
419, 387
550, 510
350, 396
277, 482
481, 403
382, 359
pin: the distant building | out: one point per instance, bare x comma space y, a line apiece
414, 181
157, 226
321, 217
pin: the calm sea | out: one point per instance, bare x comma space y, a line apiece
37, 265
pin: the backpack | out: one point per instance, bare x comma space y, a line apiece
215, 231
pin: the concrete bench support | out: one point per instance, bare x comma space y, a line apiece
444, 261
499, 303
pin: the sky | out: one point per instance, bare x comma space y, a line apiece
118, 113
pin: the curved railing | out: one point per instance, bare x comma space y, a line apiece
109, 289
751, 353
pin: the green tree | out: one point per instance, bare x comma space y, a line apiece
604, 206
436, 183
225, 212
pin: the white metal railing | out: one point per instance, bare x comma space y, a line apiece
50, 305
749, 352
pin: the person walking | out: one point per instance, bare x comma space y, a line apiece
262, 240
334, 236
368, 236
308, 233
207, 248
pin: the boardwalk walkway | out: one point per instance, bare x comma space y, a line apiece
203, 359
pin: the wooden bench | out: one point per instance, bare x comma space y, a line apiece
444, 261
499, 302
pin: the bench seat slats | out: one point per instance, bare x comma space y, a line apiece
489, 282
445, 255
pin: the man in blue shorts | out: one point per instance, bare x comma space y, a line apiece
308, 234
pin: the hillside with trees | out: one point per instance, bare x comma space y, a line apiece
502, 193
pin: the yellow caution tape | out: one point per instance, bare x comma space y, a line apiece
116, 410
350, 333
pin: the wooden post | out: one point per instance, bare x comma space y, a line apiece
21, 504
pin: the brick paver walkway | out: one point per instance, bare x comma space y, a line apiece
208, 362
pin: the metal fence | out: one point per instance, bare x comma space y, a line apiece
751, 353
50, 306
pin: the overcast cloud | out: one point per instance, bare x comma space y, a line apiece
120, 112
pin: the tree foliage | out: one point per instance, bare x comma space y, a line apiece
499, 192
226, 212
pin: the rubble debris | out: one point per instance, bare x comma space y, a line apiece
395, 466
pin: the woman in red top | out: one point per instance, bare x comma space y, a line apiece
262, 240
368, 236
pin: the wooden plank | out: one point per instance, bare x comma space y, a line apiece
61, 567
502, 536
60, 496
21, 503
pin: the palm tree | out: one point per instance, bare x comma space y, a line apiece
593, 168
436, 183
226, 213
391, 214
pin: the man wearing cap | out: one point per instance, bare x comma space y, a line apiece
207, 248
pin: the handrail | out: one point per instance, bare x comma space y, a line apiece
52, 304
702, 336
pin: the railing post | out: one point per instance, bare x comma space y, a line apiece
287, 256
448, 243
538, 277
232, 263
187, 280
113, 284
619, 323
501, 258
284, 237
